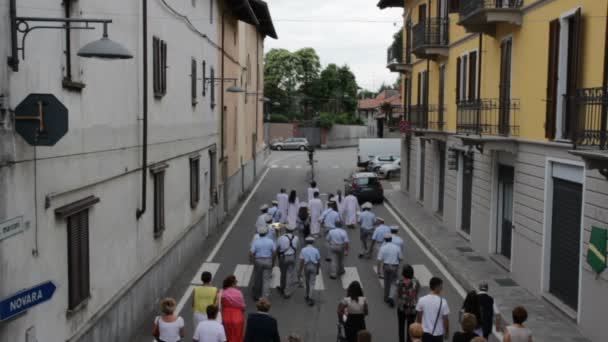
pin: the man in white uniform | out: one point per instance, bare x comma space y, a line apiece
311, 191
261, 221
283, 200
275, 212
350, 207
316, 206
287, 248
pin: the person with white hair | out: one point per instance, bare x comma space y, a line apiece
367, 221
287, 248
350, 208
262, 253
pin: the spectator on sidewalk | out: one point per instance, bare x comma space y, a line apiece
517, 332
406, 295
354, 307
364, 336
210, 330
472, 306
468, 325
202, 297
415, 332
168, 327
489, 311
261, 327
233, 306
432, 312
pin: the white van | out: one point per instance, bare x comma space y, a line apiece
369, 148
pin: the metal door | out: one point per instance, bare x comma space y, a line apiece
565, 241
467, 192
506, 176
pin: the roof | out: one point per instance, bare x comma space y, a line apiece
266, 27
391, 96
243, 11
391, 3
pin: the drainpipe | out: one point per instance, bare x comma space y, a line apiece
479, 66
222, 115
257, 104
144, 162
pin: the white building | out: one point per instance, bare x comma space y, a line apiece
76, 202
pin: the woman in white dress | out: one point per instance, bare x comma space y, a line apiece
168, 327
292, 208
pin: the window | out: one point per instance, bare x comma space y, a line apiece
193, 3
213, 199
467, 77
212, 87
195, 181
204, 67
158, 172
78, 258
193, 81
159, 65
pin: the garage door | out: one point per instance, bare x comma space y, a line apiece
565, 241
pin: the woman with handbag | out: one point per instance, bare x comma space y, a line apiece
352, 311
168, 327
233, 308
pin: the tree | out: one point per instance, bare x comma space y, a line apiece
397, 45
309, 67
367, 94
280, 78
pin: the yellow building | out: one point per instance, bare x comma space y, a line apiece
508, 104
243, 26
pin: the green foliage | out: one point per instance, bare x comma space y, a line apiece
279, 118
326, 120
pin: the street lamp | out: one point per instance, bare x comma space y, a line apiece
104, 48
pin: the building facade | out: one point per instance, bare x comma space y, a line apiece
507, 100
112, 211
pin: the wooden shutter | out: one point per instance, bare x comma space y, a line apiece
553, 65
458, 65
454, 6
575, 61
422, 13
212, 87
419, 90
193, 81
78, 258
163, 65
155, 65
204, 71
159, 203
195, 182
473, 75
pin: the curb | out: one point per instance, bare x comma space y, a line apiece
465, 283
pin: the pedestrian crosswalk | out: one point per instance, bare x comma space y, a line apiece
244, 273
298, 166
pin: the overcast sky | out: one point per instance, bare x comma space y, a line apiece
341, 31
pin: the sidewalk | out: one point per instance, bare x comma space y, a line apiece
469, 269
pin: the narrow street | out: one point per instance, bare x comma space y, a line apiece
317, 323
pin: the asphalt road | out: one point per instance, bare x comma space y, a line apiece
317, 323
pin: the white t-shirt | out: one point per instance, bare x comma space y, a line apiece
169, 331
429, 305
209, 331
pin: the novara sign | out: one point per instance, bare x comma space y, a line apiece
22, 301
25, 300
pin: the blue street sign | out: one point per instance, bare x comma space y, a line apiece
21, 301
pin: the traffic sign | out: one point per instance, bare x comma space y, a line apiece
22, 301
41, 119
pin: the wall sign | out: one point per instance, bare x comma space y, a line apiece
11, 227
41, 119
22, 301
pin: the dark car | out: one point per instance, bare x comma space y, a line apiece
365, 186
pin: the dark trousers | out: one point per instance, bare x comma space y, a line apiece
426, 337
404, 321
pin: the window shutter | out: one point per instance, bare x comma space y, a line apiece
204, 71
419, 90
212, 87
422, 13
163, 66
473, 76
458, 75
155, 65
193, 81
78, 258
454, 6
553, 63
574, 70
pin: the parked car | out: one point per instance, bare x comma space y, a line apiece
370, 147
375, 164
365, 186
389, 170
290, 144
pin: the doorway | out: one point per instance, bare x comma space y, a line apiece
506, 180
440, 177
466, 193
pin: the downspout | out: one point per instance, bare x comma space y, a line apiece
257, 105
222, 114
144, 162
479, 66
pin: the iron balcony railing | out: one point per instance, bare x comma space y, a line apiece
431, 32
469, 6
429, 117
488, 117
395, 57
592, 117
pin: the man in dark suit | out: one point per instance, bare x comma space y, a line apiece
261, 327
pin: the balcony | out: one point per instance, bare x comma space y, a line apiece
592, 118
431, 38
396, 63
482, 16
488, 117
427, 117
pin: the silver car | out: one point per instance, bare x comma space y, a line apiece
290, 144
376, 162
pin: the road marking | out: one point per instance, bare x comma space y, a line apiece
350, 275
218, 245
286, 166
423, 275
335, 167
381, 280
274, 166
395, 185
319, 285
243, 273
276, 277
207, 267
298, 166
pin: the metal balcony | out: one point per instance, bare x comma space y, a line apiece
431, 38
592, 117
495, 117
482, 16
396, 62
427, 117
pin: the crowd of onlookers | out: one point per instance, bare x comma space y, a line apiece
219, 315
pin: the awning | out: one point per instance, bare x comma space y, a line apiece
390, 3
242, 10
266, 27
